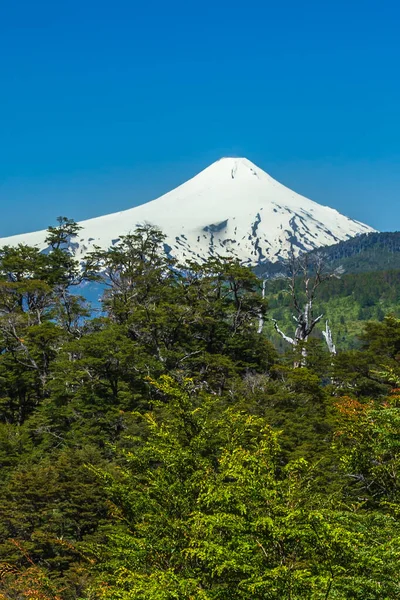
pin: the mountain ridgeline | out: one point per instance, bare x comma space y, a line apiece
231, 208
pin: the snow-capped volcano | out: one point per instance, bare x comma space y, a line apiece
231, 208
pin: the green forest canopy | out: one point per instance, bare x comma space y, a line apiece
165, 448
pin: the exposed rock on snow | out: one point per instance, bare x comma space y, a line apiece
231, 208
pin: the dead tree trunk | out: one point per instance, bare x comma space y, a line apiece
328, 339
261, 319
305, 278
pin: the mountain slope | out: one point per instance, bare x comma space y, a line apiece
232, 207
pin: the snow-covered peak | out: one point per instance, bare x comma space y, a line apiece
230, 208
228, 168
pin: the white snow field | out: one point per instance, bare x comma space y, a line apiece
231, 208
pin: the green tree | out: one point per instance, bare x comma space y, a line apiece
202, 511
38, 312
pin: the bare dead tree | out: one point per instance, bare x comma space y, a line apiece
306, 274
328, 338
261, 318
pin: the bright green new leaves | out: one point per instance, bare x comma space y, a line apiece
203, 510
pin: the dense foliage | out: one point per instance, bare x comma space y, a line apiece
162, 448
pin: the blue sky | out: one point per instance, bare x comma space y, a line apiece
105, 105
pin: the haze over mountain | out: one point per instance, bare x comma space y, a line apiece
231, 208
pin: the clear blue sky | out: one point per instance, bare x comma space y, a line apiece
104, 105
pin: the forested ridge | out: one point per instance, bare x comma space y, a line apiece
367, 252
377, 251
164, 448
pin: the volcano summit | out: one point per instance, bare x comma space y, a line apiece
231, 208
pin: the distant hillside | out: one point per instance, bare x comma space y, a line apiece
361, 254
347, 302
367, 252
